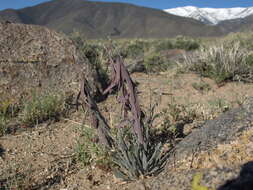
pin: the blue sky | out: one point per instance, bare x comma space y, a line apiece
160, 4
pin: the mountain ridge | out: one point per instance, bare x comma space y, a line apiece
100, 20
212, 16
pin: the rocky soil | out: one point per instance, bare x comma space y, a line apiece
218, 145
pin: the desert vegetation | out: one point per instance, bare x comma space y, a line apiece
154, 54
183, 83
35, 109
229, 61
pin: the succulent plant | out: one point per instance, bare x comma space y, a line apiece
132, 150
135, 160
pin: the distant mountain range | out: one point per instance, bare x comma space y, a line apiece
119, 20
211, 15
100, 19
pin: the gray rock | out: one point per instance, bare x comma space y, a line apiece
35, 57
222, 130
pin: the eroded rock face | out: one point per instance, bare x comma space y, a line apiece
36, 57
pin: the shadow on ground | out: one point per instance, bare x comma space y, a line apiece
243, 182
1, 151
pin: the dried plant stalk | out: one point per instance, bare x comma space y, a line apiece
98, 121
127, 98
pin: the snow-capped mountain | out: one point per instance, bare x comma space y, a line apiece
211, 15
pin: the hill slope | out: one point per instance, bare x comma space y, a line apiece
98, 19
237, 25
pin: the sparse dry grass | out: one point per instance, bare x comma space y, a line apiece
221, 62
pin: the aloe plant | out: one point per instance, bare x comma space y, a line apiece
132, 150
135, 160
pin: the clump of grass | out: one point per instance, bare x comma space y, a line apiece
42, 107
219, 104
89, 151
224, 62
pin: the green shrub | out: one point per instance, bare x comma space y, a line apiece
155, 63
249, 60
42, 107
185, 43
134, 49
164, 45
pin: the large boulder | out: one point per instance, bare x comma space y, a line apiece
35, 57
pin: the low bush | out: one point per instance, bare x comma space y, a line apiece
134, 49
156, 63
42, 107
88, 151
164, 45
185, 43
